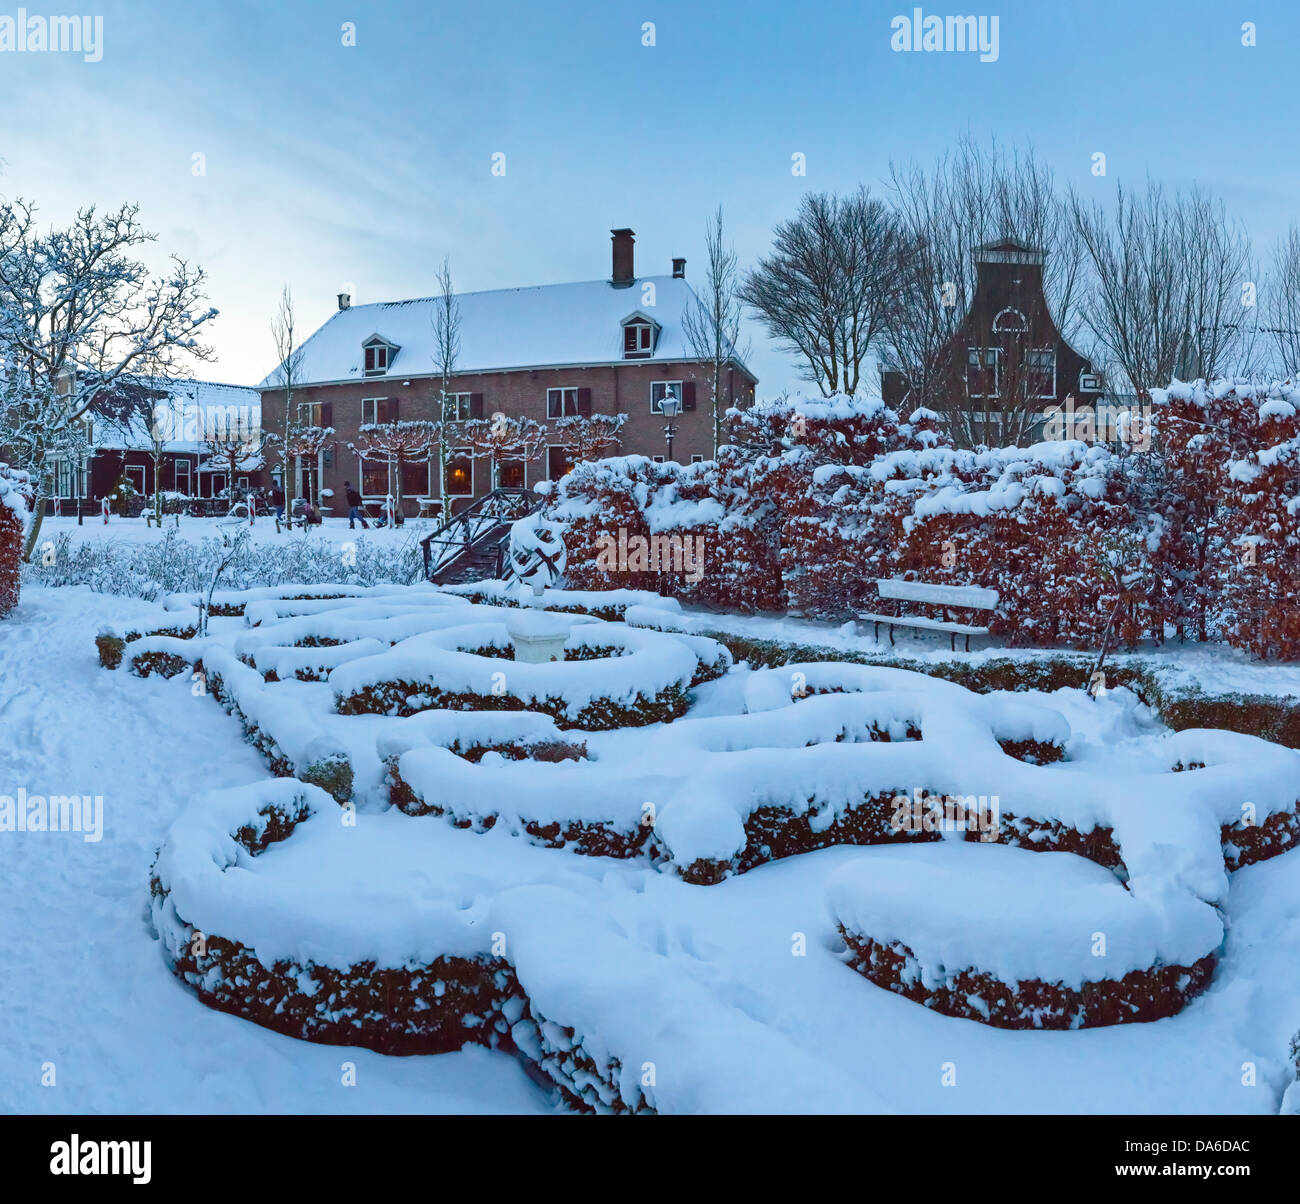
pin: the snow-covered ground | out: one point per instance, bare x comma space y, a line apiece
332, 529
84, 987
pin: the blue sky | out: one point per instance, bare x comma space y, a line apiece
328, 163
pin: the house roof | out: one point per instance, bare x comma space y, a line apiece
549, 325
192, 407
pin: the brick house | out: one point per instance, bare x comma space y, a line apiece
120, 437
612, 346
1007, 356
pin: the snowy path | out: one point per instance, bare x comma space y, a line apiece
82, 985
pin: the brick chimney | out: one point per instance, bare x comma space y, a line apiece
624, 275
345, 300
679, 269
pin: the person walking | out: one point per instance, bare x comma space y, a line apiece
277, 500
354, 507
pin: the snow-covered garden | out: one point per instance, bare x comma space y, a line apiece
646, 876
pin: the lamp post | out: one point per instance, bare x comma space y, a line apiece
670, 407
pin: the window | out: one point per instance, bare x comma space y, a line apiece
310, 413
657, 459
660, 389
378, 355
181, 477
243, 482
697, 459
1041, 366
376, 410
559, 462
415, 478
982, 371
510, 474
217, 483
460, 473
64, 478
374, 478
1010, 321
135, 474
637, 339
561, 403
458, 407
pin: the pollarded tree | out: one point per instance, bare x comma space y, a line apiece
504, 438
397, 443
302, 443
78, 313
590, 437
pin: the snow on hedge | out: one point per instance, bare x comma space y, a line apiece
1018, 915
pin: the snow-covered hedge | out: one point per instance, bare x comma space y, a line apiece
1197, 535
15, 512
1023, 940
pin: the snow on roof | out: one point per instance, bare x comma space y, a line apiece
545, 326
194, 406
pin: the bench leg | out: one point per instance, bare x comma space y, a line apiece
891, 635
877, 633
954, 640
968, 643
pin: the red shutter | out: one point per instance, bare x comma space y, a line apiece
392, 409
476, 405
327, 413
688, 396
584, 402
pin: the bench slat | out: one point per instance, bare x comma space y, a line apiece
976, 597
926, 624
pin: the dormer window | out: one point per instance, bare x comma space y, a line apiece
636, 339
378, 354
639, 334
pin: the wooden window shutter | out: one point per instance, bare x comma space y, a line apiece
688, 396
584, 402
392, 409
476, 405
327, 413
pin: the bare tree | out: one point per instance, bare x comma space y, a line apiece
974, 195
446, 323
711, 325
1282, 305
826, 290
78, 314
1166, 284
287, 439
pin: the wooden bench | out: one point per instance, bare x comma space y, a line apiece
965, 597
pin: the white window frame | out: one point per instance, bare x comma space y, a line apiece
182, 463
468, 454
1052, 352
313, 412
657, 407
562, 390
645, 335
128, 469
460, 401
361, 476
1023, 328
997, 370
373, 403
377, 346
659, 459
697, 459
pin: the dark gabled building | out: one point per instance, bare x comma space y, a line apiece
1008, 361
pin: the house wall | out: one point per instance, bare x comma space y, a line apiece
622, 388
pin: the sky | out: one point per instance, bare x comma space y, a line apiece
318, 145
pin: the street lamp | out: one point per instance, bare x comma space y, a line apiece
670, 407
